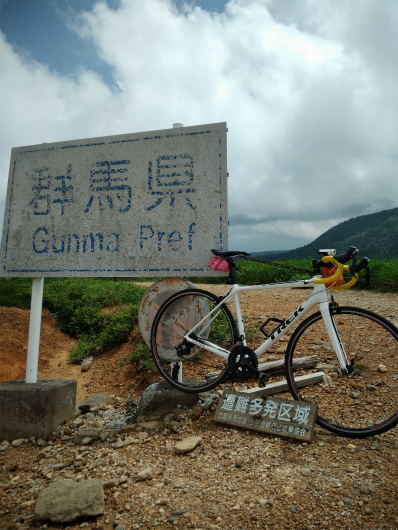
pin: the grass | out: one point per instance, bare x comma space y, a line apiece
142, 355
360, 367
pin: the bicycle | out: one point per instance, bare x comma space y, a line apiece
197, 343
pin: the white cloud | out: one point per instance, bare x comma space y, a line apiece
308, 93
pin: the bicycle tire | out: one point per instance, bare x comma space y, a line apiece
188, 367
365, 402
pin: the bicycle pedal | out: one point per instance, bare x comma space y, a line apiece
262, 380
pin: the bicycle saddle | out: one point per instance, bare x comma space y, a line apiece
229, 253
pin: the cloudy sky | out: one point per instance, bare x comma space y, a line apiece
308, 88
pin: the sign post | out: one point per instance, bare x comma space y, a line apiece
32, 359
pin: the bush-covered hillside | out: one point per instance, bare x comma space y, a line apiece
376, 236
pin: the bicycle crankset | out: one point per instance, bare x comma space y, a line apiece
243, 362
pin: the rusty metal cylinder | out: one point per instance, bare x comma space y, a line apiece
154, 297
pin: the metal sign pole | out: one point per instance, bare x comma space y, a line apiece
32, 360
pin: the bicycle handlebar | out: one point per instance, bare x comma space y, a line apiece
339, 261
343, 258
336, 275
362, 264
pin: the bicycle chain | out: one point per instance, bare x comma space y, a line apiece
274, 264
291, 267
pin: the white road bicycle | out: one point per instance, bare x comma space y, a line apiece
197, 341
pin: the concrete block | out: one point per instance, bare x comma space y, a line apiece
35, 409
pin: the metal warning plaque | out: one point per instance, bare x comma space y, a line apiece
271, 415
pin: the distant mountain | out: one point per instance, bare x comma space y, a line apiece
375, 235
267, 252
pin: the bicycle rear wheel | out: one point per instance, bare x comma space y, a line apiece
365, 402
186, 366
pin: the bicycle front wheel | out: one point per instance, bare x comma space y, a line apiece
365, 402
189, 367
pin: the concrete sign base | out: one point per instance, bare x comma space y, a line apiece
35, 409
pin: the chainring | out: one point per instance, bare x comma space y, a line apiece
242, 362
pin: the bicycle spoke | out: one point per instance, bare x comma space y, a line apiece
200, 368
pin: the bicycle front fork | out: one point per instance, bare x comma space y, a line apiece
327, 315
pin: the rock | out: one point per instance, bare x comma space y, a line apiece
145, 474
86, 363
209, 402
92, 434
131, 401
160, 399
18, 442
382, 368
187, 444
98, 400
151, 426
127, 428
67, 500
130, 440
111, 483
196, 412
367, 487
327, 380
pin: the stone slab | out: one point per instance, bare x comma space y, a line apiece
35, 409
143, 204
160, 399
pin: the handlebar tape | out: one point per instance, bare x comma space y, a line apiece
339, 261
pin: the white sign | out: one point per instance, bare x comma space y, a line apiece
146, 204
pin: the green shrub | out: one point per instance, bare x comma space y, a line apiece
143, 355
384, 271
115, 331
15, 292
77, 303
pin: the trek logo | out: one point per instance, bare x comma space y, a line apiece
285, 324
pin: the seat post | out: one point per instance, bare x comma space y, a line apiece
232, 271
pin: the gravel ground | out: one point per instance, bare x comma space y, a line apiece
234, 479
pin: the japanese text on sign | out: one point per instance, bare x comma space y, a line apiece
284, 417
